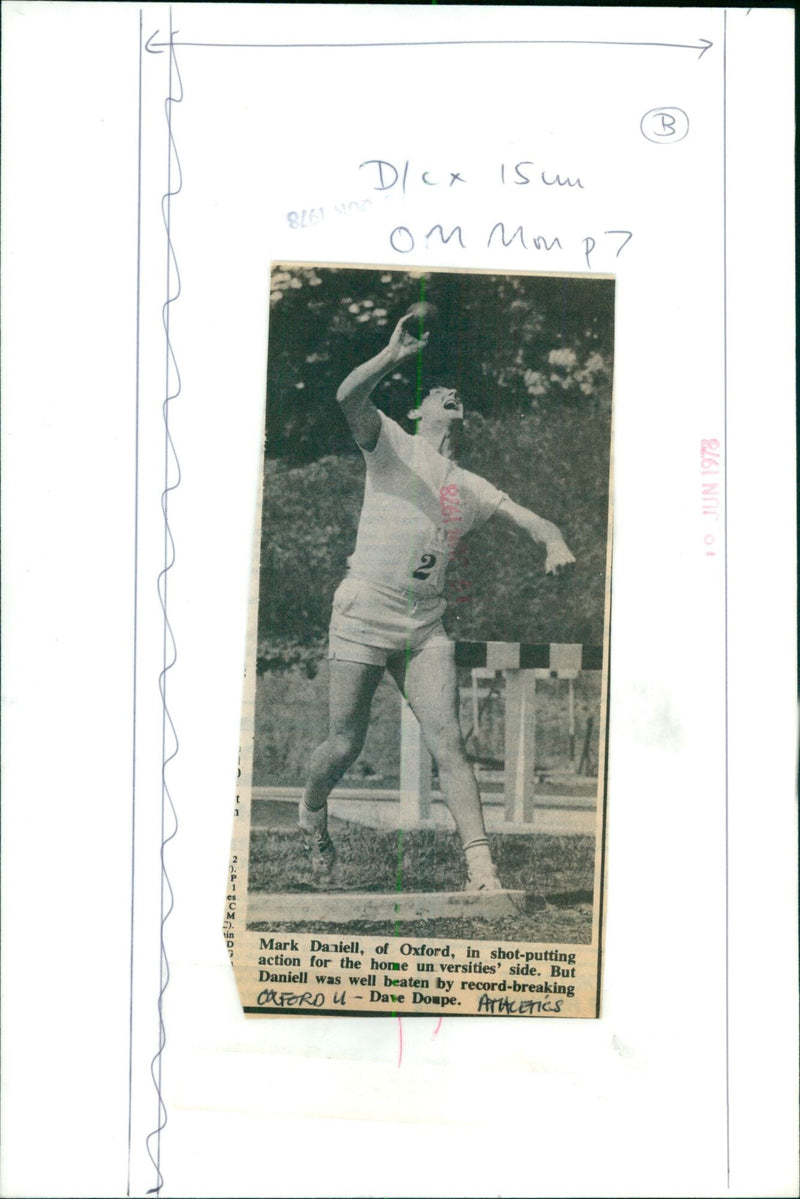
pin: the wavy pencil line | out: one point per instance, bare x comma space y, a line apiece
172, 480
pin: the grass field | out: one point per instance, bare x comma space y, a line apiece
557, 874
292, 718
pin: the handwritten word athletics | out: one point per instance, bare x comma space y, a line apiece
386, 176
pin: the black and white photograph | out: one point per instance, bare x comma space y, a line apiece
433, 587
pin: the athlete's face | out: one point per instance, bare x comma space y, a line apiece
441, 404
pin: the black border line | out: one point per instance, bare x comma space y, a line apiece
134, 746
725, 582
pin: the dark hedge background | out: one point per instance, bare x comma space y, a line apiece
532, 359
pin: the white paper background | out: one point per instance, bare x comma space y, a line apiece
645, 1100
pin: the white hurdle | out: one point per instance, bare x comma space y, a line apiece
519, 775
563, 661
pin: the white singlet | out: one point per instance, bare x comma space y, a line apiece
408, 528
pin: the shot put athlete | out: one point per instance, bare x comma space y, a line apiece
387, 612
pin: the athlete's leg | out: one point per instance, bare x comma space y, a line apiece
429, 682
351, 688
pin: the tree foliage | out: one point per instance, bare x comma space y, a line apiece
509, 343
531, 357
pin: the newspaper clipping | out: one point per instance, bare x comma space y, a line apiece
420, 813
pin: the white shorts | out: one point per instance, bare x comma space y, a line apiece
371, 623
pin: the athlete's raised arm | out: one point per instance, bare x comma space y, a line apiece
354, 393
544, 532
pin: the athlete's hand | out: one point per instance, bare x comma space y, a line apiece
404, 343
559, 558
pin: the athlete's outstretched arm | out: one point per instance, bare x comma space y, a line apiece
544, 532
354, 394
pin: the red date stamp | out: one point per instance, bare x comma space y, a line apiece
451, 517
711, 499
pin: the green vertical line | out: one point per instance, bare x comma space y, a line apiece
399, 874
399, 888
417, 403
417, 400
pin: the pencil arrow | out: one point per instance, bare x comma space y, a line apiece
703, 44
159, 47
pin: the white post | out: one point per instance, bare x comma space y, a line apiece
571, 700
520, 738
415, 770
476, 712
